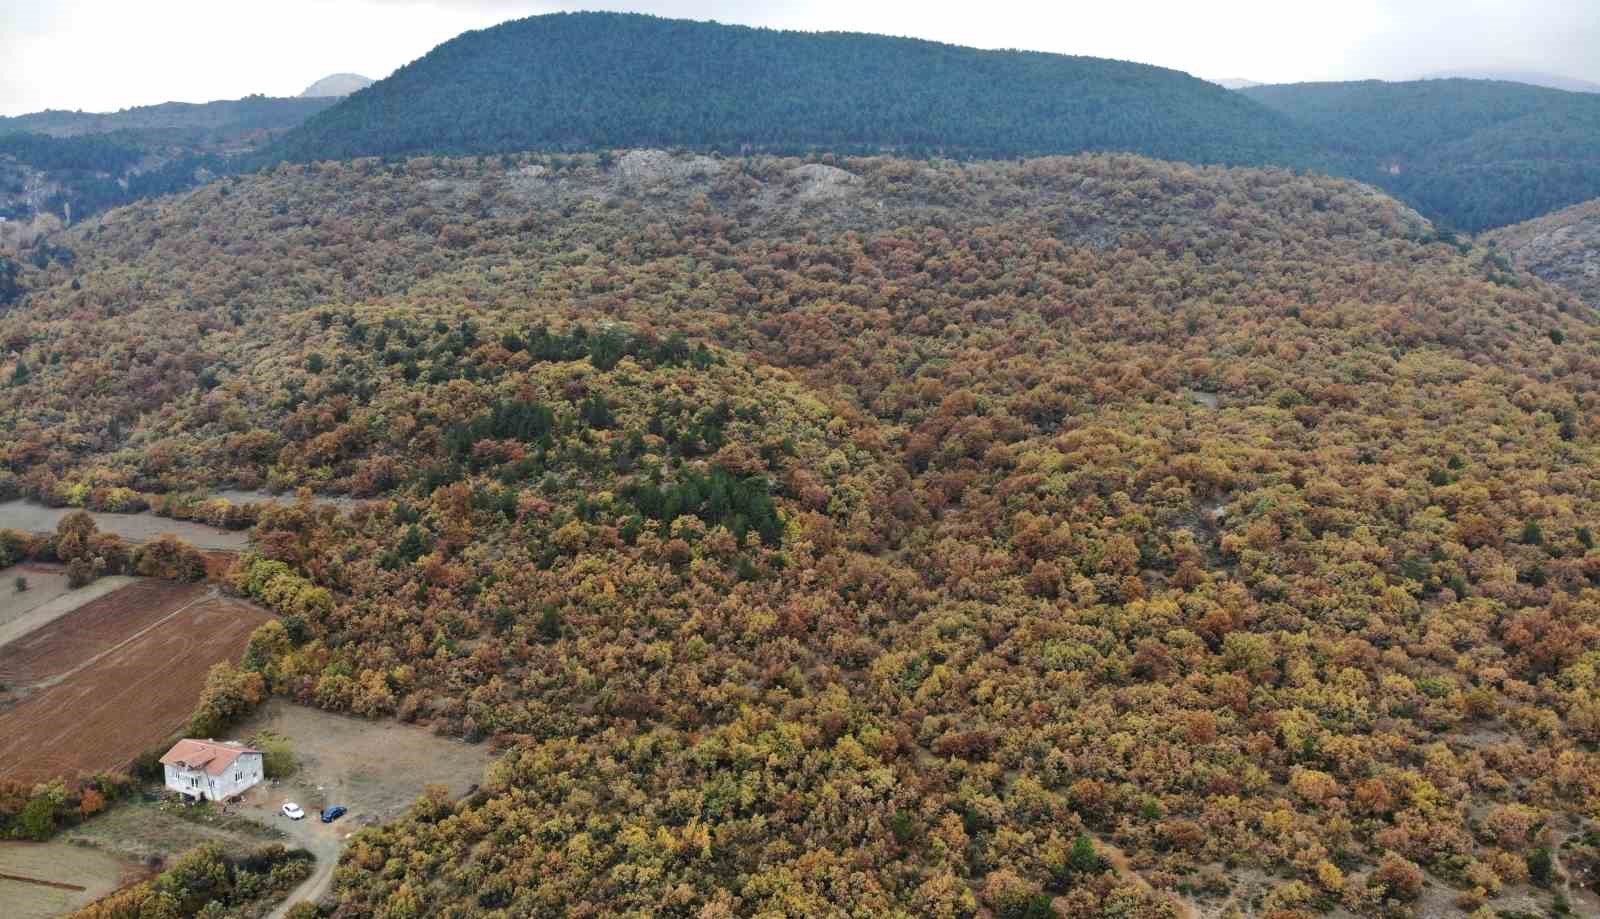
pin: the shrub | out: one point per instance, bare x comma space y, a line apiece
80, 571
15, 546
1399, 877
38, 819
1541, 866
229, 693
171, 558
1532, 535
277, 759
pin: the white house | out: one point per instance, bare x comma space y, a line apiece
211, 770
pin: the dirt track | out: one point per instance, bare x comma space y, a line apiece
136, 528
375, 768
116, 677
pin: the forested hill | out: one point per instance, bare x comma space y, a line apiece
600, 80
1478, 153
882, 537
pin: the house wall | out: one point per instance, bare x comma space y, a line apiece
187, 781
245, 772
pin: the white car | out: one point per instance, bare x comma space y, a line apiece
293, 811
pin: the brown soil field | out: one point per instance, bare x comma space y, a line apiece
114, 678
39, 880
19, 619
91, 629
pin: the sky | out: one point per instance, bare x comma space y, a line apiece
103, 55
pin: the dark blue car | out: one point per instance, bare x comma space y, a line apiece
330, 814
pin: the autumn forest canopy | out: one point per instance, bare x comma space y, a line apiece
834, 474
1082, 536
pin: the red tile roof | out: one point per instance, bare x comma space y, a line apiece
213, 757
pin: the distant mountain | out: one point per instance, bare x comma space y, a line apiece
1563, 248
53, 160
588, 80
200, 124
1530, 77
1475, 153
336, 85
1236, 83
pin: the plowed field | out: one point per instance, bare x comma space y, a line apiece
114, 678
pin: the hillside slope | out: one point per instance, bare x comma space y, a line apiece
876, 536
602, 80
1563, 248
1478, 153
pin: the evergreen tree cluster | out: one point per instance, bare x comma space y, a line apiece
528, 422
720, 497
608, 346
601, 80
11, 288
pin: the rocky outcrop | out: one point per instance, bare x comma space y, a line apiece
1562, 247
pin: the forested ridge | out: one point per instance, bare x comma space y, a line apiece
1478, 153
587, 81
1469, 154
174, 122
877, 536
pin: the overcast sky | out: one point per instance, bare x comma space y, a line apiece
102, 55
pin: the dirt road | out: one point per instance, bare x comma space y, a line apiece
325, 841
375, 768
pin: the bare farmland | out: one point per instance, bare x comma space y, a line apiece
114, 678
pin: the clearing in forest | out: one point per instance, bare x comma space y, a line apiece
30, 517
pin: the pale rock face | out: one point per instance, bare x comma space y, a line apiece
640, 167
820, 182
1562, 247
339, 84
